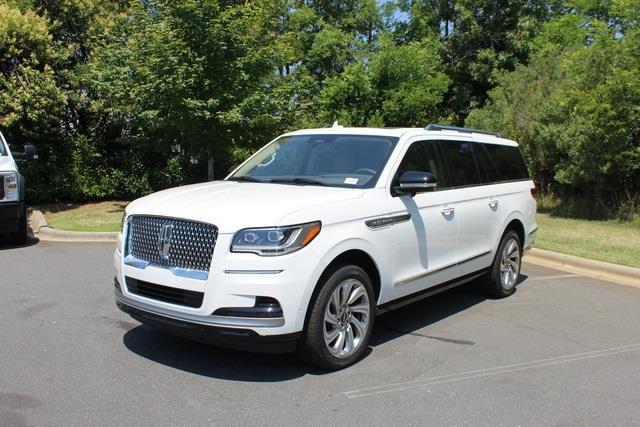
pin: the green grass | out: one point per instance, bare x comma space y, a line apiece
602, 240
101, 216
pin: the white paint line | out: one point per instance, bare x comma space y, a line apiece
559, 276
496, 370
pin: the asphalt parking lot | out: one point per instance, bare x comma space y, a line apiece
564, 350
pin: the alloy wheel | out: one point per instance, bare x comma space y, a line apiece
510, 264
346, 319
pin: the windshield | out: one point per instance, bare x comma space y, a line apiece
353, 161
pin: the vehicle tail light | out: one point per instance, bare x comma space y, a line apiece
534, 191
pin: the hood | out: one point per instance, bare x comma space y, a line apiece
234, 205
6, 164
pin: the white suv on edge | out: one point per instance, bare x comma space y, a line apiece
321, 230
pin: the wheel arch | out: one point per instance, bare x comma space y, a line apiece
516, 223
354, 256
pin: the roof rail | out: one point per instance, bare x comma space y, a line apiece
434, 126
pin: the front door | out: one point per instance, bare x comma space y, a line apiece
425, 244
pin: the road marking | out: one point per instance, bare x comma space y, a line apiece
496, 370
559, 276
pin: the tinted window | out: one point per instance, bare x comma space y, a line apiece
423, 156
461, 163
488, 170
508, 162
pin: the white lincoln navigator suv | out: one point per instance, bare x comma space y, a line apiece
309, 239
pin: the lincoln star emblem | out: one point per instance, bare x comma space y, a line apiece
164, 240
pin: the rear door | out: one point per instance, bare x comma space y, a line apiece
476, 206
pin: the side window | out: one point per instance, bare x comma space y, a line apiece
488, 170
423, 156
461, 163
508, 162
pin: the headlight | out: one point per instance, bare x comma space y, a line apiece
11, 187
272, 241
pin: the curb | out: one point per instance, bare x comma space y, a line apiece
615, 273
42, 231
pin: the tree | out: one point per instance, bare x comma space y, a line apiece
195, 75
41, 44
479, 39
398, 85
575, 111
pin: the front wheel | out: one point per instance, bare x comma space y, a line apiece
341, 320
502, 278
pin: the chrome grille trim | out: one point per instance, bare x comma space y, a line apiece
190, 253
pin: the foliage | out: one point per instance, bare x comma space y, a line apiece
479, 38
575, 110
124, 98
398, 85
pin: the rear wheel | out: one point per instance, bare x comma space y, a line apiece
502, 278
20, 237
341, 320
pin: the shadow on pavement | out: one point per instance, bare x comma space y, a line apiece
412, 318
6, 243
214, 362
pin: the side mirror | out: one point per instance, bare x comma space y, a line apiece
412, 182
30, 153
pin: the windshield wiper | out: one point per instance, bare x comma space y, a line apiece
298, 181
245, 178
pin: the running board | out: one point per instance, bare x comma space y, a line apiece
409, 299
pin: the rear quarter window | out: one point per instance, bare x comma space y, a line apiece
507, 161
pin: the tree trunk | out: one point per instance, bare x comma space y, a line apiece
210, 174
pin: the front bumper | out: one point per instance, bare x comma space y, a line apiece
10, 214
236, 283
212, 320
221, 331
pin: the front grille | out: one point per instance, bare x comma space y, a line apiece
190, 247
164, 293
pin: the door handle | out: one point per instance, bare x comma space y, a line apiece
493, 203
448, 210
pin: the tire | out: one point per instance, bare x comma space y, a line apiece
502, 279
338, 332
20, 237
